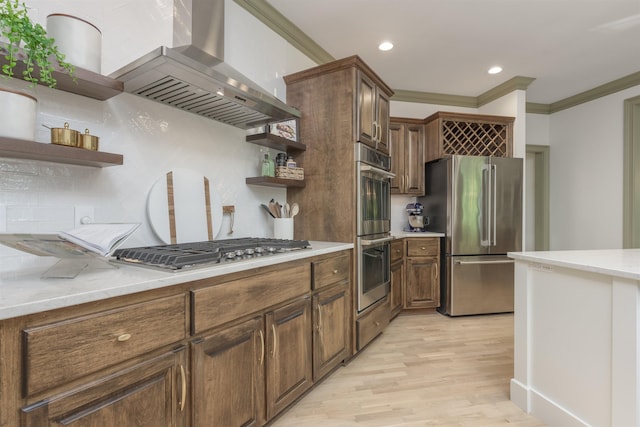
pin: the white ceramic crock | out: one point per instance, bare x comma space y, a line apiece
79, 41
18, 115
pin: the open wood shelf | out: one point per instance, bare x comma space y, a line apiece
276, 142
84, 82
22, 149
268, 181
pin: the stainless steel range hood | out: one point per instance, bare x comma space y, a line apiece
192, 75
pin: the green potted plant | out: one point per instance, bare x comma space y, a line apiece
28, 44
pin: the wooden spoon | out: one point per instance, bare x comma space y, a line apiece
295, 209
273, 209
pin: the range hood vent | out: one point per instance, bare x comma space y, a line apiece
193, 76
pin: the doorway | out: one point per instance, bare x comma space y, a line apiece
631, 175
537, 198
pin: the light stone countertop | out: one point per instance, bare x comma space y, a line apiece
25, 292
623, 263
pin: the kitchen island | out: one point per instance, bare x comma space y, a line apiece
577, 337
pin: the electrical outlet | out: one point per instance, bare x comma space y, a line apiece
83, 215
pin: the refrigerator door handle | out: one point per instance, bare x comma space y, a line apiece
504, 261
485, 237
494, 192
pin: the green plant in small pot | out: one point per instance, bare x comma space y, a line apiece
28, 45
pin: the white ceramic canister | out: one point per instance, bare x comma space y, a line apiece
80, 41
18, 117
283, 228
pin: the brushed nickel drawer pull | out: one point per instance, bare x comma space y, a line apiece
124, 337
183, 393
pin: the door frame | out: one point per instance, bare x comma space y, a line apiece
541, 196
631, 174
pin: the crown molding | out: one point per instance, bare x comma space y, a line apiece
273, 19
434, 98
614, 86
516, 83
499, 91
535, 108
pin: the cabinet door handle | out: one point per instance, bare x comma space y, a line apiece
183, 391
375, 131
319, 317
379, 133
275, 339
335, 271
406, 182
261, 346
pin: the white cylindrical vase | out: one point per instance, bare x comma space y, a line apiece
18, 117
80, 41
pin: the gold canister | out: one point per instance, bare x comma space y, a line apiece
85, 140
64, 136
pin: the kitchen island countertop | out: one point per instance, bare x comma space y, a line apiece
623, 263
25, 292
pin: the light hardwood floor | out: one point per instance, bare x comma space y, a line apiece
425, 370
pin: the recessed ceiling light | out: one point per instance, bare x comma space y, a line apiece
385, 46
495, 70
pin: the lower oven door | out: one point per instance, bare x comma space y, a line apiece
374, 269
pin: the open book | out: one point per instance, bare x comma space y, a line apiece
88, 239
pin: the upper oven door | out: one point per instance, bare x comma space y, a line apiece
374, 200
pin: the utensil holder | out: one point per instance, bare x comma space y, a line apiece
283, 228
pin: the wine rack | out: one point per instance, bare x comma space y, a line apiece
468, 134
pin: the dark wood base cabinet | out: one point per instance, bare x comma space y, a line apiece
142, 395
228, 351
229, 389
422, 280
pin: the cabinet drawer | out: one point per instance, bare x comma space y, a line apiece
215, 305
372, 324
423, 247
397, 250
331, 270
63, 351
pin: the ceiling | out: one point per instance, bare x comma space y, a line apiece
447, 46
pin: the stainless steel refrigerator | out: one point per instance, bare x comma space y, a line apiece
477, 203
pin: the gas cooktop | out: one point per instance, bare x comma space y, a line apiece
182, 256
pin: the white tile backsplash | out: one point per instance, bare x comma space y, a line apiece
38, 196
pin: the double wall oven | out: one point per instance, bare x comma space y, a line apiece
373, 225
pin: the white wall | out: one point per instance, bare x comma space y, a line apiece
153, 138
586, 174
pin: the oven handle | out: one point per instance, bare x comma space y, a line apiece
373, 242
377, 171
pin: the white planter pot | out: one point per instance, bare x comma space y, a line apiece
79, 41
18, 115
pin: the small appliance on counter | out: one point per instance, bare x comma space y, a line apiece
417, 221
